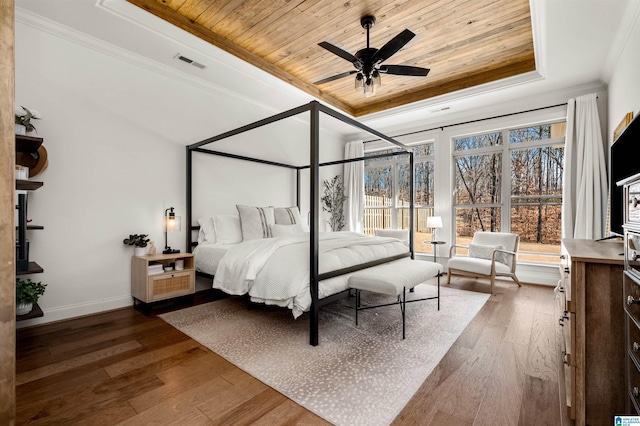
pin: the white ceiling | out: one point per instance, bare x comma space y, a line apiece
577, 43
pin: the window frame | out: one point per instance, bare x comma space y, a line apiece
505, 149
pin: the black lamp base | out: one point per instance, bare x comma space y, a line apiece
169, 250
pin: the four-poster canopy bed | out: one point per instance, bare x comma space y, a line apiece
314, 109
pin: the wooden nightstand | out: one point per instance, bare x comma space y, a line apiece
148, 287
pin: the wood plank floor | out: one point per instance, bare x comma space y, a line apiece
123, 367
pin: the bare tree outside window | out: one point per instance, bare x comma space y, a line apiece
536, 159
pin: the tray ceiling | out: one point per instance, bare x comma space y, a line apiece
465, 43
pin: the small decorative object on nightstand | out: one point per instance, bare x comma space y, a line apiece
153, 277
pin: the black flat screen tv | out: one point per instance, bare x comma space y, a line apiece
623, 162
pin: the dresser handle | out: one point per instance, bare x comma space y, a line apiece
631, 301
635, 391
561, 321
636, 347
564, 358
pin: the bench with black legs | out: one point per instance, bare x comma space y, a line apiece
394, 279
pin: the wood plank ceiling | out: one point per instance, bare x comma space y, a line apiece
464, 42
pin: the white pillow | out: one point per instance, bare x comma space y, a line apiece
207, 233
290, 216
283, 230
227, 228
486, 252
255, 222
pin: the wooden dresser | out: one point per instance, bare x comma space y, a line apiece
592, 323
632, 292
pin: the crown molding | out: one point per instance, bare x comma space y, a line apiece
72, 35
630, 18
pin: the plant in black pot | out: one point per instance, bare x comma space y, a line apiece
27, 293
139, 241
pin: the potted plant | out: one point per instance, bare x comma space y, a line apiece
333, 202
139, 241
23, 117
27, 293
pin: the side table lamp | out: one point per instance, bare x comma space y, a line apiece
434, 222
171, 223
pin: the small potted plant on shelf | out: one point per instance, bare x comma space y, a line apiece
139, 241
27, 293
23, 120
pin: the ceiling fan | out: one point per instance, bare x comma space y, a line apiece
368, 61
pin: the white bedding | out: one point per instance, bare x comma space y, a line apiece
276, 270
207, 256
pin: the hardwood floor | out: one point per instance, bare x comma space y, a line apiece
123, 367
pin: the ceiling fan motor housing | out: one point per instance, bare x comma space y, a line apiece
368, 21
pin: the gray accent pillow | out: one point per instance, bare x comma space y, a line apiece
486, 252
255, 222
290, 216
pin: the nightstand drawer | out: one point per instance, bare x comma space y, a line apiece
165, 286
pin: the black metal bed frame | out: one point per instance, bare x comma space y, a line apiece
314, 108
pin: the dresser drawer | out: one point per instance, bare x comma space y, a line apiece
568, 322
632, 296
633, 381
569, 386
633, 338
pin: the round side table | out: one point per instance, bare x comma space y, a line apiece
435, 247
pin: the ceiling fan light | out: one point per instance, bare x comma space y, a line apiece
369, 88
375, 76
359, 82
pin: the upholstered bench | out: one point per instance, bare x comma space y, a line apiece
394, 279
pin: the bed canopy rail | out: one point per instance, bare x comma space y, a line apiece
314, 108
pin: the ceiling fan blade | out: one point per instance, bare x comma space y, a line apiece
342, 53
392, 46
335, 77
404, 70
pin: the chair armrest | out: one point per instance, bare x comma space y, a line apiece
453, 247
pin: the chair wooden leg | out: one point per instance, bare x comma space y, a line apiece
493, 280
516, 280
449, 278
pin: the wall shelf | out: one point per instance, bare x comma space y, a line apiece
36, 312
33, 268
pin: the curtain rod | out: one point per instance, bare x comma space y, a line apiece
471, 121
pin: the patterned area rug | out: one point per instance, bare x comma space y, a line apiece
360, 375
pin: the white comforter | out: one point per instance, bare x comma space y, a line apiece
276, 270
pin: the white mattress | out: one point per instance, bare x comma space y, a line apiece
208, 256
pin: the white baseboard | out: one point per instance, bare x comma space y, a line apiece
78, 310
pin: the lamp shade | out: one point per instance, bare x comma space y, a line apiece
434, 222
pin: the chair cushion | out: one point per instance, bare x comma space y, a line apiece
506, 239
391, 278
486, 252
476, 265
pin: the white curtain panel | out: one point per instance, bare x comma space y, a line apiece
354, 186
584, 199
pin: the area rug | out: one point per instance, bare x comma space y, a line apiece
360, 375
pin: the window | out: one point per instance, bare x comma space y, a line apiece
529, 203
387, 199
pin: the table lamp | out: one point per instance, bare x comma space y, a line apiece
434, 222
171, 223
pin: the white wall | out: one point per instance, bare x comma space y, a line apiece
115, 133
624, 88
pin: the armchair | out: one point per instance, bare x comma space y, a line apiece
491, 254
